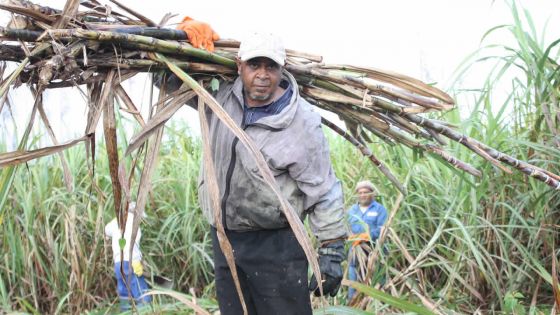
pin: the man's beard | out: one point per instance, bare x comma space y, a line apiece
261, 97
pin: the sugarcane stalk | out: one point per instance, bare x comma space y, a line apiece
367, 153
22, 34
436, 136
402, 138
399, 80
377, 87
150, 65
155, 32
157, 44
407, 125
452, 160
542, 175
356, 80
345, 115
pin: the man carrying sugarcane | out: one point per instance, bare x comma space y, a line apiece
366, 218
264, 100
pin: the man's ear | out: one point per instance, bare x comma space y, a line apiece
238, 62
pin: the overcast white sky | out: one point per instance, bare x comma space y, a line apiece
424, 39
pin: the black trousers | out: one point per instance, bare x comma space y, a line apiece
272, 270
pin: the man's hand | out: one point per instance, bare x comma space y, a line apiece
359, 238
200, 34
137, 268
331, 256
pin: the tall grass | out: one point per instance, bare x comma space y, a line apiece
53, 244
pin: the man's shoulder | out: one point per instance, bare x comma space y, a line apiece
306, 109
353, 208
378, 206
305, 117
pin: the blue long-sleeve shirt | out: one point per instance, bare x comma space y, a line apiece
374, 217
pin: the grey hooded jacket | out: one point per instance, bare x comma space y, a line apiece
297, 153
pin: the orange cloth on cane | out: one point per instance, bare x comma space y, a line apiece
359, 238
200, 34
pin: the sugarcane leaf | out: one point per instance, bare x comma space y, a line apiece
21, 156
158, 120
134, 13
555, 286
365, 152
119, 90
214, 84
150, 160
388, 299
68, 13
8, 174
214, 191
109, 131
180, 297
340, 310
122, 243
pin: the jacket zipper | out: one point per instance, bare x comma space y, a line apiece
229, 174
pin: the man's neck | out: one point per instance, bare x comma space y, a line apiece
366, 205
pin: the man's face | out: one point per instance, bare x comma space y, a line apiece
261, 79
365, 196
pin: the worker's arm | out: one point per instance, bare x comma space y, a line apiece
315, 177
201, 35
375, 229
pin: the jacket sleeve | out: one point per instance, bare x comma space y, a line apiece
376, 229
171, 83
323, 198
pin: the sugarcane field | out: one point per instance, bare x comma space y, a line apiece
252, 157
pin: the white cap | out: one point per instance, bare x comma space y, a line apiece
366, 184
262, 45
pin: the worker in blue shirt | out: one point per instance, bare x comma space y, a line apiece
366, 219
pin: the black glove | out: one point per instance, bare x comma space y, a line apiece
331, 256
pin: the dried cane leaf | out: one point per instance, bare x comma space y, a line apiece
144, 185
214, 191
110, 133
68, 13
7, 175
159, 119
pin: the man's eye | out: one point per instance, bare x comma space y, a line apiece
253, 66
